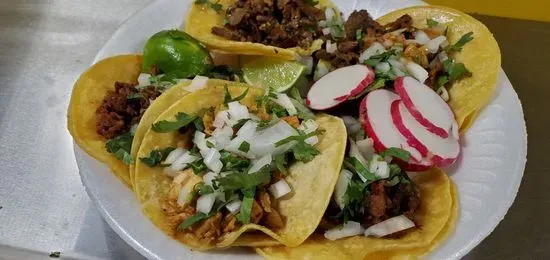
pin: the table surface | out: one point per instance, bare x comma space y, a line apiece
46, 44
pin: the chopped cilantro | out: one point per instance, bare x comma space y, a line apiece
359, 34
197, 217
303, 111
204, 189
198, 167
461, 42
199, 125
156, 156
337, 28
232, 162
311, 2
238, 181
246, 206
356, 166
431, 22
456, 70
134, 96
304, 152
373, 60
227, 97
396, 153
353, 200
121, 146
182, 119
210, 144
280, 163
267, 123
441, 81
215, 6
244, 147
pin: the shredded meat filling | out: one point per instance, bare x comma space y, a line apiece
385, 202
118, 113
289, 23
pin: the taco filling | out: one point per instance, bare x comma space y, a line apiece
229, 165
397, 49
283, 24
373, 196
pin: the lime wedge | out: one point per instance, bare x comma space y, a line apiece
265, 72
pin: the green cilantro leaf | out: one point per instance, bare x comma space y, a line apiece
304, 152
353, 200
461, 42
246, 206
455, 70
120, 147
227, 96
303, 111
375, 59
197, 217
356, 166
200, 2
182, 119
441, 81
267, 123
238, 181
216, 7
396, 153
359, 34
311, 2
280, 163
209, 144
204, 189
244, 147
431, 22
198, 167
134, 96
232, 162
199, 125
156, 156
278, 110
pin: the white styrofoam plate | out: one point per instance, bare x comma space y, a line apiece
487, 175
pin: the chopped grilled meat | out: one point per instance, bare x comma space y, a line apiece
175, 214
265, 201
402, 22
287, 24
376, 202
292, 120
347, 46
417, 54
338, 59
208, 230
385, 202
433, 73
117, 113
257, 213
230, 223
361, 20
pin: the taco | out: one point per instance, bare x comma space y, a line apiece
283, 30
234, 166
108, 104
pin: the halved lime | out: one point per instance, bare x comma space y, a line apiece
265, 72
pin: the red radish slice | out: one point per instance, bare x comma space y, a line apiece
425, 105
337, 86
444, 151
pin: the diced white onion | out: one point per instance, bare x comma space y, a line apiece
260, 163
237, 111
383, 170
247, 130
199, 82
307, 61
221, 119
200, 140
308, 126
410, 41
222, 136
323, 67
382, 67
352, 125
234, 206
212, 160
375, 49
341, 187
417, 71
180, 163
205, 203
331, 47
313, 140
173, 155
283, 100
373, 163
415, 154
397, 64
387, 43
351, 228
322, 23
433, 44
443, 93
329, 14
355, 153
209, 177
366, 147
326, 31
279, 189
263, 142
389, 226
442, 56
421, 37
143, 79
183, 196
444, 44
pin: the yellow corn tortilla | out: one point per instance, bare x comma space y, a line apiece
481, 56
201, 19
311, 182
88, 93
422, 251
434, 213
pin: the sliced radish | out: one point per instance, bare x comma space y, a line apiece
337, 86
425, 105
444, 151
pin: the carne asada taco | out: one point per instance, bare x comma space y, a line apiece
229, 165
108, 103
283, 30
434, 219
